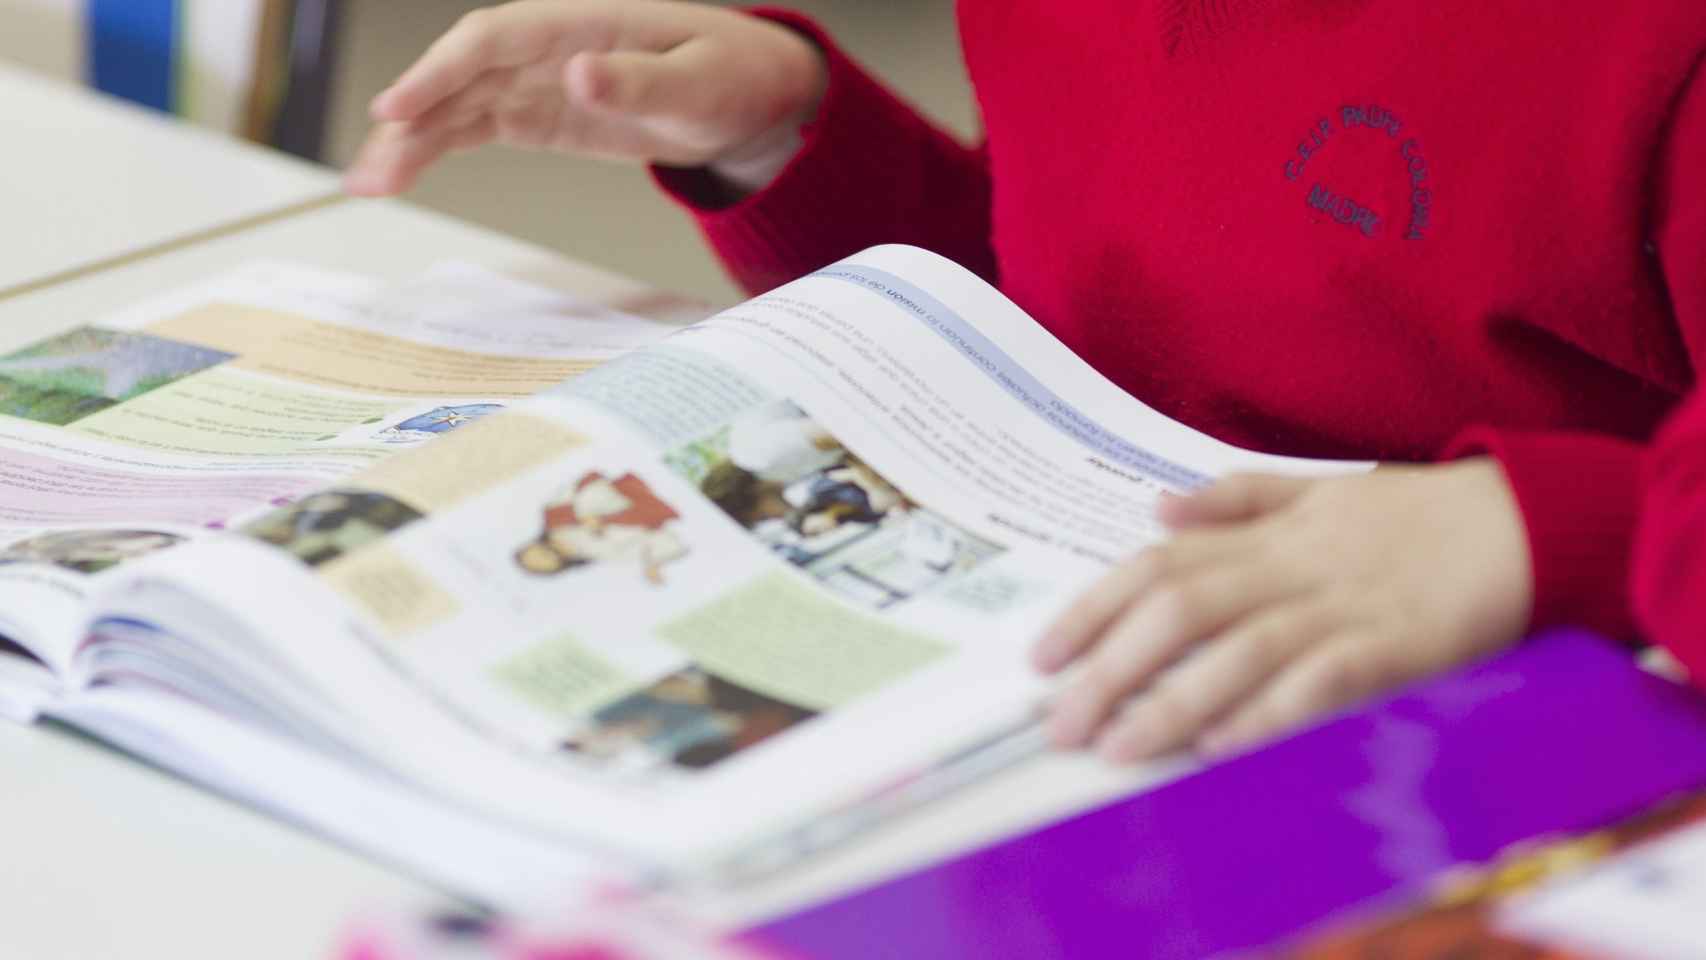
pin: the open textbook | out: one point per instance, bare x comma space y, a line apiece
467, 573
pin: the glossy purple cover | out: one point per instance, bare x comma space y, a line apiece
1564, 733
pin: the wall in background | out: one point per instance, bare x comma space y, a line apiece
44, 35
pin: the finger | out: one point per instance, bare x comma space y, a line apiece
466, 105
393, 158
1207, 685
1341, 672
671, 83
604, 135
482, 40
371, 173
380, 169
1077, 629
479, 132
1154, 632
1234, 499
1074, 630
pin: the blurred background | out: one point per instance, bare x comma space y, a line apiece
601, 213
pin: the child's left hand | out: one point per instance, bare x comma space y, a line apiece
1280, 598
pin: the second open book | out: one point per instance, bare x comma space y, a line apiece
343, 559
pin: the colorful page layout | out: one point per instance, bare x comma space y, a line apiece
828, 523
185, 416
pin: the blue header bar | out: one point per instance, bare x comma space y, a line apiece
1013, 377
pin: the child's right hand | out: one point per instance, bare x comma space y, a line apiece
655, 81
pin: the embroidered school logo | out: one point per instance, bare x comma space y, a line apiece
1329, 198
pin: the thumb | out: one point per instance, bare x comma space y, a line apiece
1234, 499
635, 81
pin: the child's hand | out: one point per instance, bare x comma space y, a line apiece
1281, 598
646, 80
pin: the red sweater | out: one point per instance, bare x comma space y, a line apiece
1670, 554
1390, 229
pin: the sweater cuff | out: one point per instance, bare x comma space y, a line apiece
786, 229
1670, 572
1580, 497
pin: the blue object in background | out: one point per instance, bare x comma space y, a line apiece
131, 49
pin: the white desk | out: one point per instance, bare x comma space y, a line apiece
101, 852
387, 240
85, 178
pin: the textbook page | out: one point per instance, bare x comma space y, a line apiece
385, 819
720, 584
180, 417
1645, 903
26, 684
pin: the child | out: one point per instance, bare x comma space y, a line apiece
1366, 228
1670, 553
601, 520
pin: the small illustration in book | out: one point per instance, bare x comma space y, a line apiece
88, 551
84, 371
435, 422
600, 519
797, 489
691, 718
324, 526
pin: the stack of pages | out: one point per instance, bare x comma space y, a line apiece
519, 593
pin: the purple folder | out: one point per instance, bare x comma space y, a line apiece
1562, 734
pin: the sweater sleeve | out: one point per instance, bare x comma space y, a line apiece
1670, 545
870, 171
1580, 494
